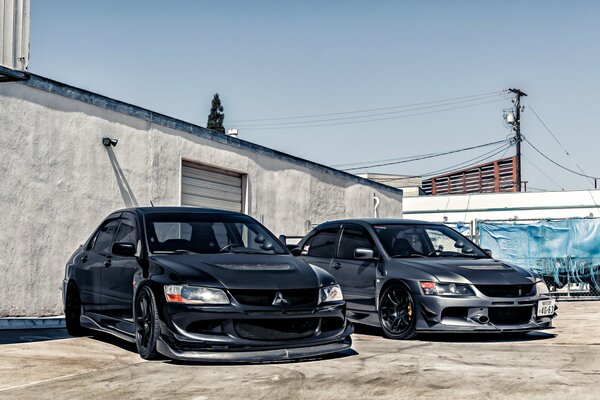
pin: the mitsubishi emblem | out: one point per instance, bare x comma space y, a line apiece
279, 300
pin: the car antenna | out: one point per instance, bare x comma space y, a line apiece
151, 203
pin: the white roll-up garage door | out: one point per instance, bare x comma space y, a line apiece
203, 186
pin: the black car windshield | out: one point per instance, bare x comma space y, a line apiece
420, 241
185, 233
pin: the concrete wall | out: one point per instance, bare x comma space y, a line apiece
58, 181
525, 205
14, 34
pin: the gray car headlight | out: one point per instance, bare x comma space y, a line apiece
195, 295
443, 289
330, 293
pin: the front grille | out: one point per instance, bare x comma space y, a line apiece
209, 327
278, 329
330, 324
291, 297
506, 290
254, 297
455, 312
301, 297
509, 315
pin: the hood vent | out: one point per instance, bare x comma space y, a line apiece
488, 267
256, 267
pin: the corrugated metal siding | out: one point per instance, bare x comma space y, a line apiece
495, 176
14, 34
208, 187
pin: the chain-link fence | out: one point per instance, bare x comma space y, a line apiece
566, 252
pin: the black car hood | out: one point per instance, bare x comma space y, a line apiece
462, 270
241, 271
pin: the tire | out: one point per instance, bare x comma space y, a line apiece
73, 311
147, 324
397, 314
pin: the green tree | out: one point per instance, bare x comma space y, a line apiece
216, 116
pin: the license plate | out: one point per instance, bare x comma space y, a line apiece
545, 308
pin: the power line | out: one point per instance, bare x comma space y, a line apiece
374, 119
427, 156
369, 109
556, 139
545, 174
404, 158
466, 164
470, 163
557, 164
367, 115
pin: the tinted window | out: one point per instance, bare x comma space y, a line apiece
353, 238
105, 236
172, 230
209, 233
405, 240
322, 244
127, 232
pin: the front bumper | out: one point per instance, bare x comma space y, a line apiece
276, 354
464, 314
236, 333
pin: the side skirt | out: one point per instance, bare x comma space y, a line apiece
370, 318
90, 323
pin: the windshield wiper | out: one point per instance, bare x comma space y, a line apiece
465, 255
410, 255
247, 250
178, 251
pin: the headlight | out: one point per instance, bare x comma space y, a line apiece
541, 287
331, 293
434, 288
195, 295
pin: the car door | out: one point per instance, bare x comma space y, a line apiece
89, 273
357, 277
319, 249
117, 276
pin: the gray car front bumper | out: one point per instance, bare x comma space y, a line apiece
463, 314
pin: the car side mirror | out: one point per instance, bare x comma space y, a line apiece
361, 253
124, 249
296, 251
488, 252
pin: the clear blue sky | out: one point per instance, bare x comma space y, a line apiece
283, 58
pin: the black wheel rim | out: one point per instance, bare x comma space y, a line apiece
73, 307
396, 311
144, 320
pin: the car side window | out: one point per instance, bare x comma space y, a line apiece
353, 238
127, 231
105, 237
322, 244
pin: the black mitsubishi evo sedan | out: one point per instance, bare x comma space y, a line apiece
201, 284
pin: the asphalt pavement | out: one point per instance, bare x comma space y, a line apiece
563, 363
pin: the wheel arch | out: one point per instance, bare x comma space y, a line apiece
157, 291
388, 283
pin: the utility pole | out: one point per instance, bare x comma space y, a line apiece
516, 124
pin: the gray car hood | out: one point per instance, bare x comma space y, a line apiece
462, 270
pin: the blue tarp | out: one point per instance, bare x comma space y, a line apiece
563, 251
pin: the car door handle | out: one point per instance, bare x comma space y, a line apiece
84, 258
337, 265
107, 263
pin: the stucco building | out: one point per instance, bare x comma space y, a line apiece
58, 180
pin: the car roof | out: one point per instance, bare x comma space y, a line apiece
378, 221
174, 209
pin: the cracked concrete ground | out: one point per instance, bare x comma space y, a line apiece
559, 364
